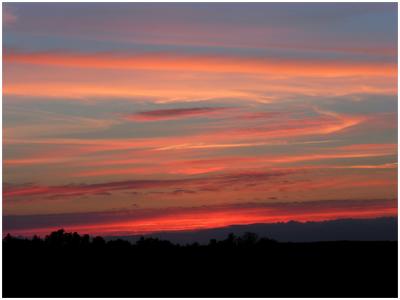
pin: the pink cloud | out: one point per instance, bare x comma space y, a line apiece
9, 16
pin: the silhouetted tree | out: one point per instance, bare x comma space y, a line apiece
213, 243
266, 242
98, 241
55, 239
248, 239
122, 269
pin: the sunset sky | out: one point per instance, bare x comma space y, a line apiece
125, 118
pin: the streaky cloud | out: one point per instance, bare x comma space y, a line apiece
174, 114
140, 221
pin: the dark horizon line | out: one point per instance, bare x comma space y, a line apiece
272, 223
233, 226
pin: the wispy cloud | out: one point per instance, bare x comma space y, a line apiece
205, 63
140, 221
197, 106
75, 190
197, 76
174, 114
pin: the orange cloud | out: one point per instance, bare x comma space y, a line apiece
55, 150
164, 165
203, 63
170, 77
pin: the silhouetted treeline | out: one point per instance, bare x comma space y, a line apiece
72, 265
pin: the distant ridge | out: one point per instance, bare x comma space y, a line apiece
379, 229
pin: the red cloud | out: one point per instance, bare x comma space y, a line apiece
141, 221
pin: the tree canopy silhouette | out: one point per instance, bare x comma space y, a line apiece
65, 264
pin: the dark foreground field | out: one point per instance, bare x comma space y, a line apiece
69, 265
